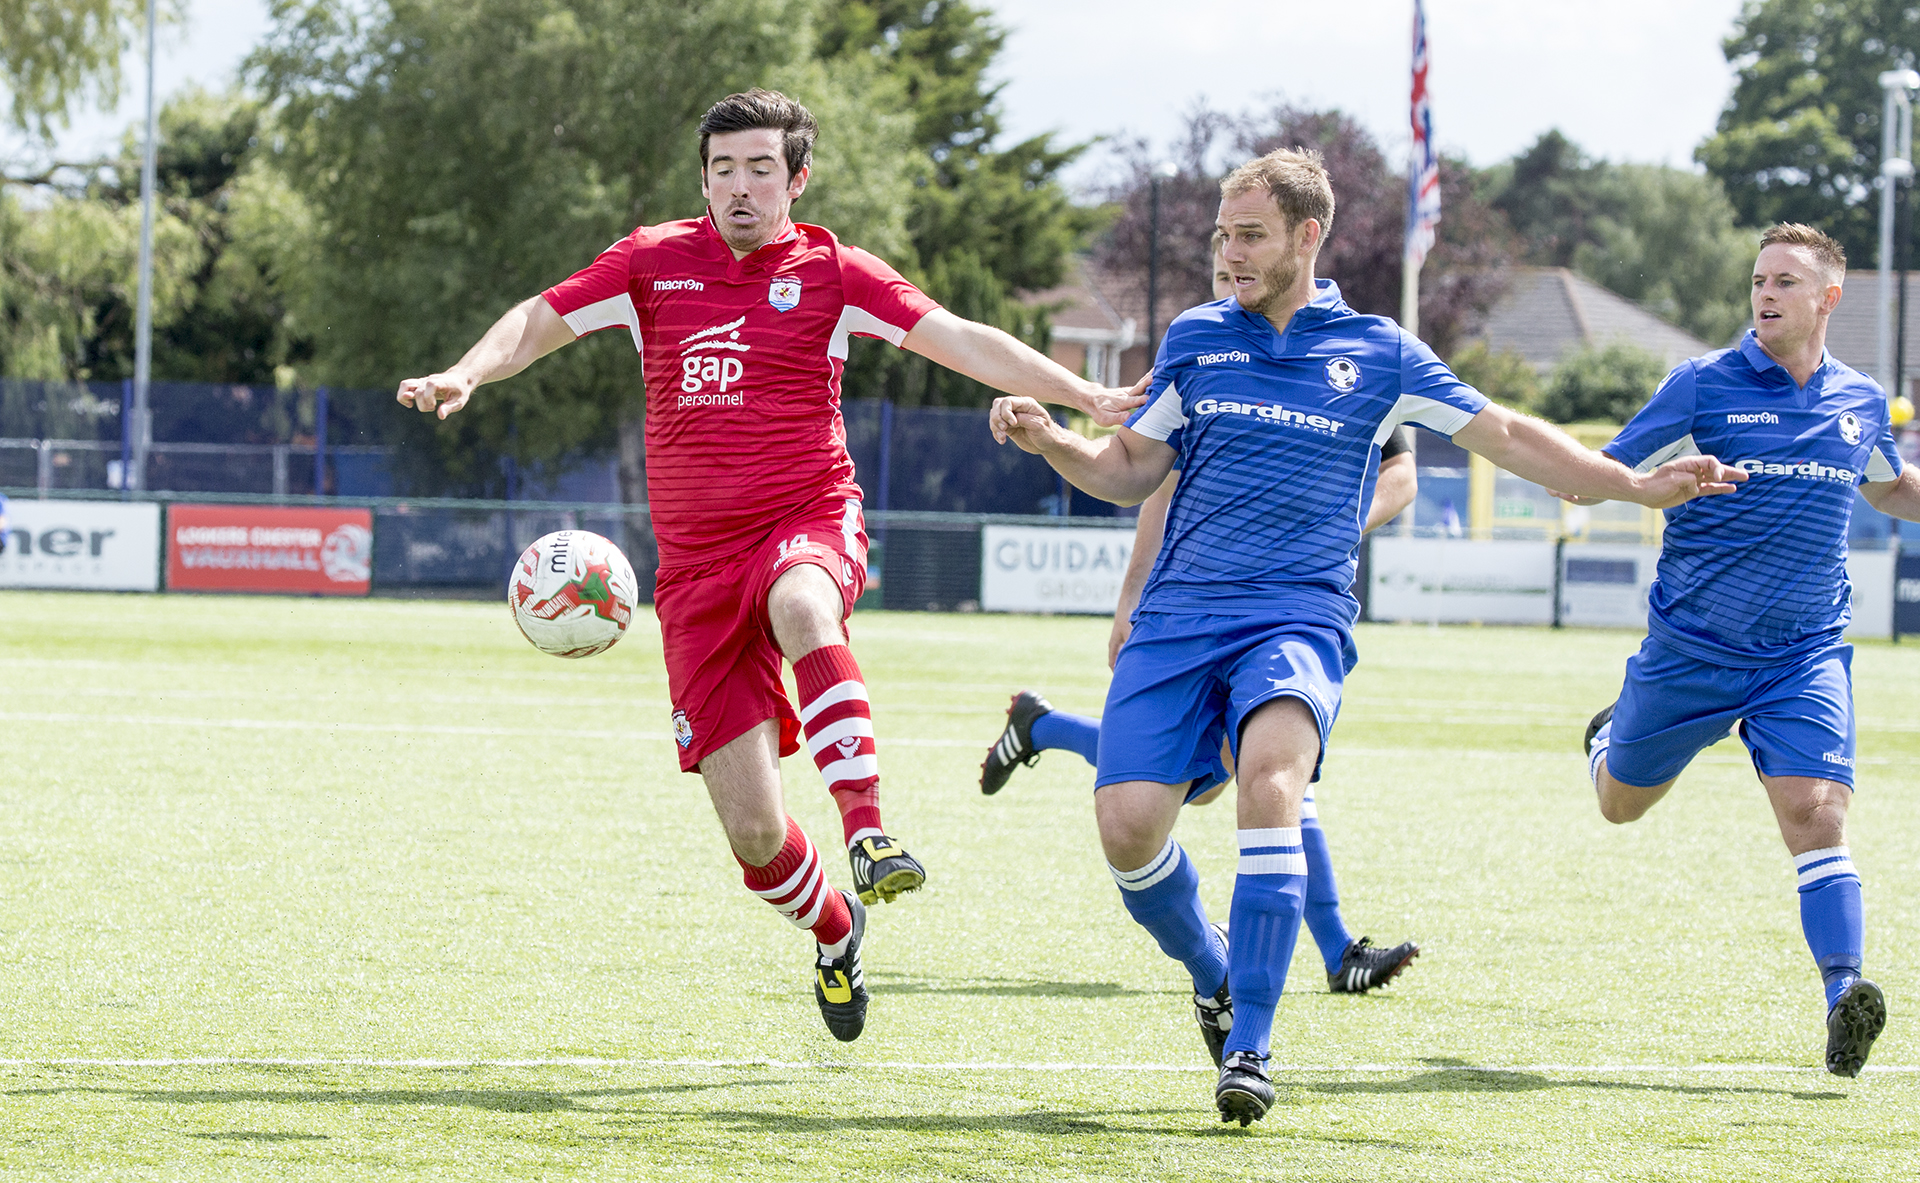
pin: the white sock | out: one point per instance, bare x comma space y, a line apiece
858, 835
1598, 758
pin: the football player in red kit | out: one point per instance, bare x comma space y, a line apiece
741, 319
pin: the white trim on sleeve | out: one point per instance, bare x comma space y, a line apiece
859, 320
1164, 417
1880, 468
1430, 413
605, 314
1684, 446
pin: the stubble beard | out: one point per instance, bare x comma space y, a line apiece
1275, 283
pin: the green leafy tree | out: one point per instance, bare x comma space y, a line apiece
1799, 140
57, 54
461, 157
1666, 238
1505, 377
986, 222
1603, 384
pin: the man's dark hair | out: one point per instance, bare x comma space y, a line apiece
754, 109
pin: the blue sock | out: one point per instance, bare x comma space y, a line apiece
1330, 933
1268, 897
1830, 915
1076, 733
1164, 897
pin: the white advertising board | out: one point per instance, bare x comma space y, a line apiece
1871, 572
1605, 584
1449, 580
89, 545
1053, 568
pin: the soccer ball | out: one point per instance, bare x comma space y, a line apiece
572, 593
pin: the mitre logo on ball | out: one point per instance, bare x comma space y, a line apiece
572, 593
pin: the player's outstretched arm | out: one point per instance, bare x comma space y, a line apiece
994, 358
1148, 533
1122, 468
1899, 497
1545, 455
528, 332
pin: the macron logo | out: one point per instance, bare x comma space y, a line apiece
678, 285
1755, 417
1208, 359
1271, 414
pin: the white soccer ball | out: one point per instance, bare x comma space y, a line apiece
572, 593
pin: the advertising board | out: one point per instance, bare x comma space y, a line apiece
1053, 568
86, 545
254, 548
1443, 580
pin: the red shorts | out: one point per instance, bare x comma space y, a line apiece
723, 668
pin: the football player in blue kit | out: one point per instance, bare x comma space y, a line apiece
1354, 965
1271, 404
1745, 617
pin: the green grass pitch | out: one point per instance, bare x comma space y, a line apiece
296, 889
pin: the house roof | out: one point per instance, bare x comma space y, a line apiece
1853, 332
1549, 312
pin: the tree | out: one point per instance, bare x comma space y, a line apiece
1799, 140
985, 222
1663, 237
461, 157
54, 54
1604, 384
1505, 377
1463, 274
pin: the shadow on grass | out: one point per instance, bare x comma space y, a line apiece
1195, 1121
494, 1100
258, 1136
1453, 1076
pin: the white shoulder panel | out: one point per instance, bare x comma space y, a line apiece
1879, 468
607, 313
1163, 417
859, 320
1430, 413
1684, 446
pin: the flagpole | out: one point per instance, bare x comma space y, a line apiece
1410, 294
1423, 181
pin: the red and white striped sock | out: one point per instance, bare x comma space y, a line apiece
798, 889
839, 726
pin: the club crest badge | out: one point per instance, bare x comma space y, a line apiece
1343, 375
784, 293
682, 729
1849, 427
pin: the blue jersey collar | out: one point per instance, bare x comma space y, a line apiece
1325, 305
1764, 365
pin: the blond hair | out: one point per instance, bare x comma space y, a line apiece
1826, 251
1297, 180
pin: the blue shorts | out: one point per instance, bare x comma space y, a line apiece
1795, 718
1185, 682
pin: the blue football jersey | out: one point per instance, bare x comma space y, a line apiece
1754, 576
1277, 440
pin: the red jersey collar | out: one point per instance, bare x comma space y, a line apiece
761, 254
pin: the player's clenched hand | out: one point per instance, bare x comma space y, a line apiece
445, 390
1022, 420
1680, 481
1110, 408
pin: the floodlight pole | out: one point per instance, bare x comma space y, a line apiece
143, 310
1155, 175
1896, 167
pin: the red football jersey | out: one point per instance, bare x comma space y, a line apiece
742, 361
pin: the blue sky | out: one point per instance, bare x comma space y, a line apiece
1631, 80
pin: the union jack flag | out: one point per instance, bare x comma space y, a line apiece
1423, 165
